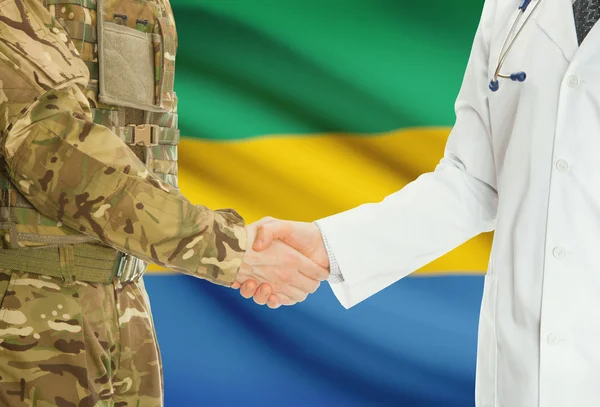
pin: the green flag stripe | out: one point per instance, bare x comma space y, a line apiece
248, 69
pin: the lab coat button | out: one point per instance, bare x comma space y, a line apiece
559, 253
562, 165
553, 339
572, 81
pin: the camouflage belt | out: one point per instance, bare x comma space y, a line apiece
90, 263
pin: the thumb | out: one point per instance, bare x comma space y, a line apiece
264, 238
274, 230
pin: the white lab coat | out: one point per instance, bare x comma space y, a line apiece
524, 161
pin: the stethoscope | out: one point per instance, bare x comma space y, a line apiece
516, 76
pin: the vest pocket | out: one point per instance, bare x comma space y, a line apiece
126, 67
136, 63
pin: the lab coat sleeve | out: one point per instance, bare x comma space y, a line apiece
377, 244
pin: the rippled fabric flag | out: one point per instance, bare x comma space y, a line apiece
301, 109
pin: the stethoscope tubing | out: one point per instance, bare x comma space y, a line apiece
520, 76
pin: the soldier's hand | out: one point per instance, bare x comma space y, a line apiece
288, 275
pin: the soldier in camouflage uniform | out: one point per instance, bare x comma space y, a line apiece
88, 197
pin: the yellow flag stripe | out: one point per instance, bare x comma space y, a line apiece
310, 177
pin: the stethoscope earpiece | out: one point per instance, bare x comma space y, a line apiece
518, 76
494, 85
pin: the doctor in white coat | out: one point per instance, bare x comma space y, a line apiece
523, 160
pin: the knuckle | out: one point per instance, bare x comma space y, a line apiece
261, 231
266, 219
315, 273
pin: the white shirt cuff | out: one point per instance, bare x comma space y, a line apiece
335, 273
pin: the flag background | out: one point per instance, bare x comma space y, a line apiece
302, 109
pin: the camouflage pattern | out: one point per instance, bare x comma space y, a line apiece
164, 54
74, 345
71, 172
82, 179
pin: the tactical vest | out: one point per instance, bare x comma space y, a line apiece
129, 47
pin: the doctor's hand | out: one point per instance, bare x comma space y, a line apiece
302, 236
290, 275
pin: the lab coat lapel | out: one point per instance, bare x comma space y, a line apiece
555, 18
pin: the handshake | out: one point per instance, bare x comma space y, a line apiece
284, 262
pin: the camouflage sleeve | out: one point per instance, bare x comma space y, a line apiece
81, 173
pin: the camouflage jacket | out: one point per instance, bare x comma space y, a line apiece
80, 173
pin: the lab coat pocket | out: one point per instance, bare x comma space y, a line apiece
485, 383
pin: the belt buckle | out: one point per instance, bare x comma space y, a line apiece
119, 266
127, 267
144, 134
